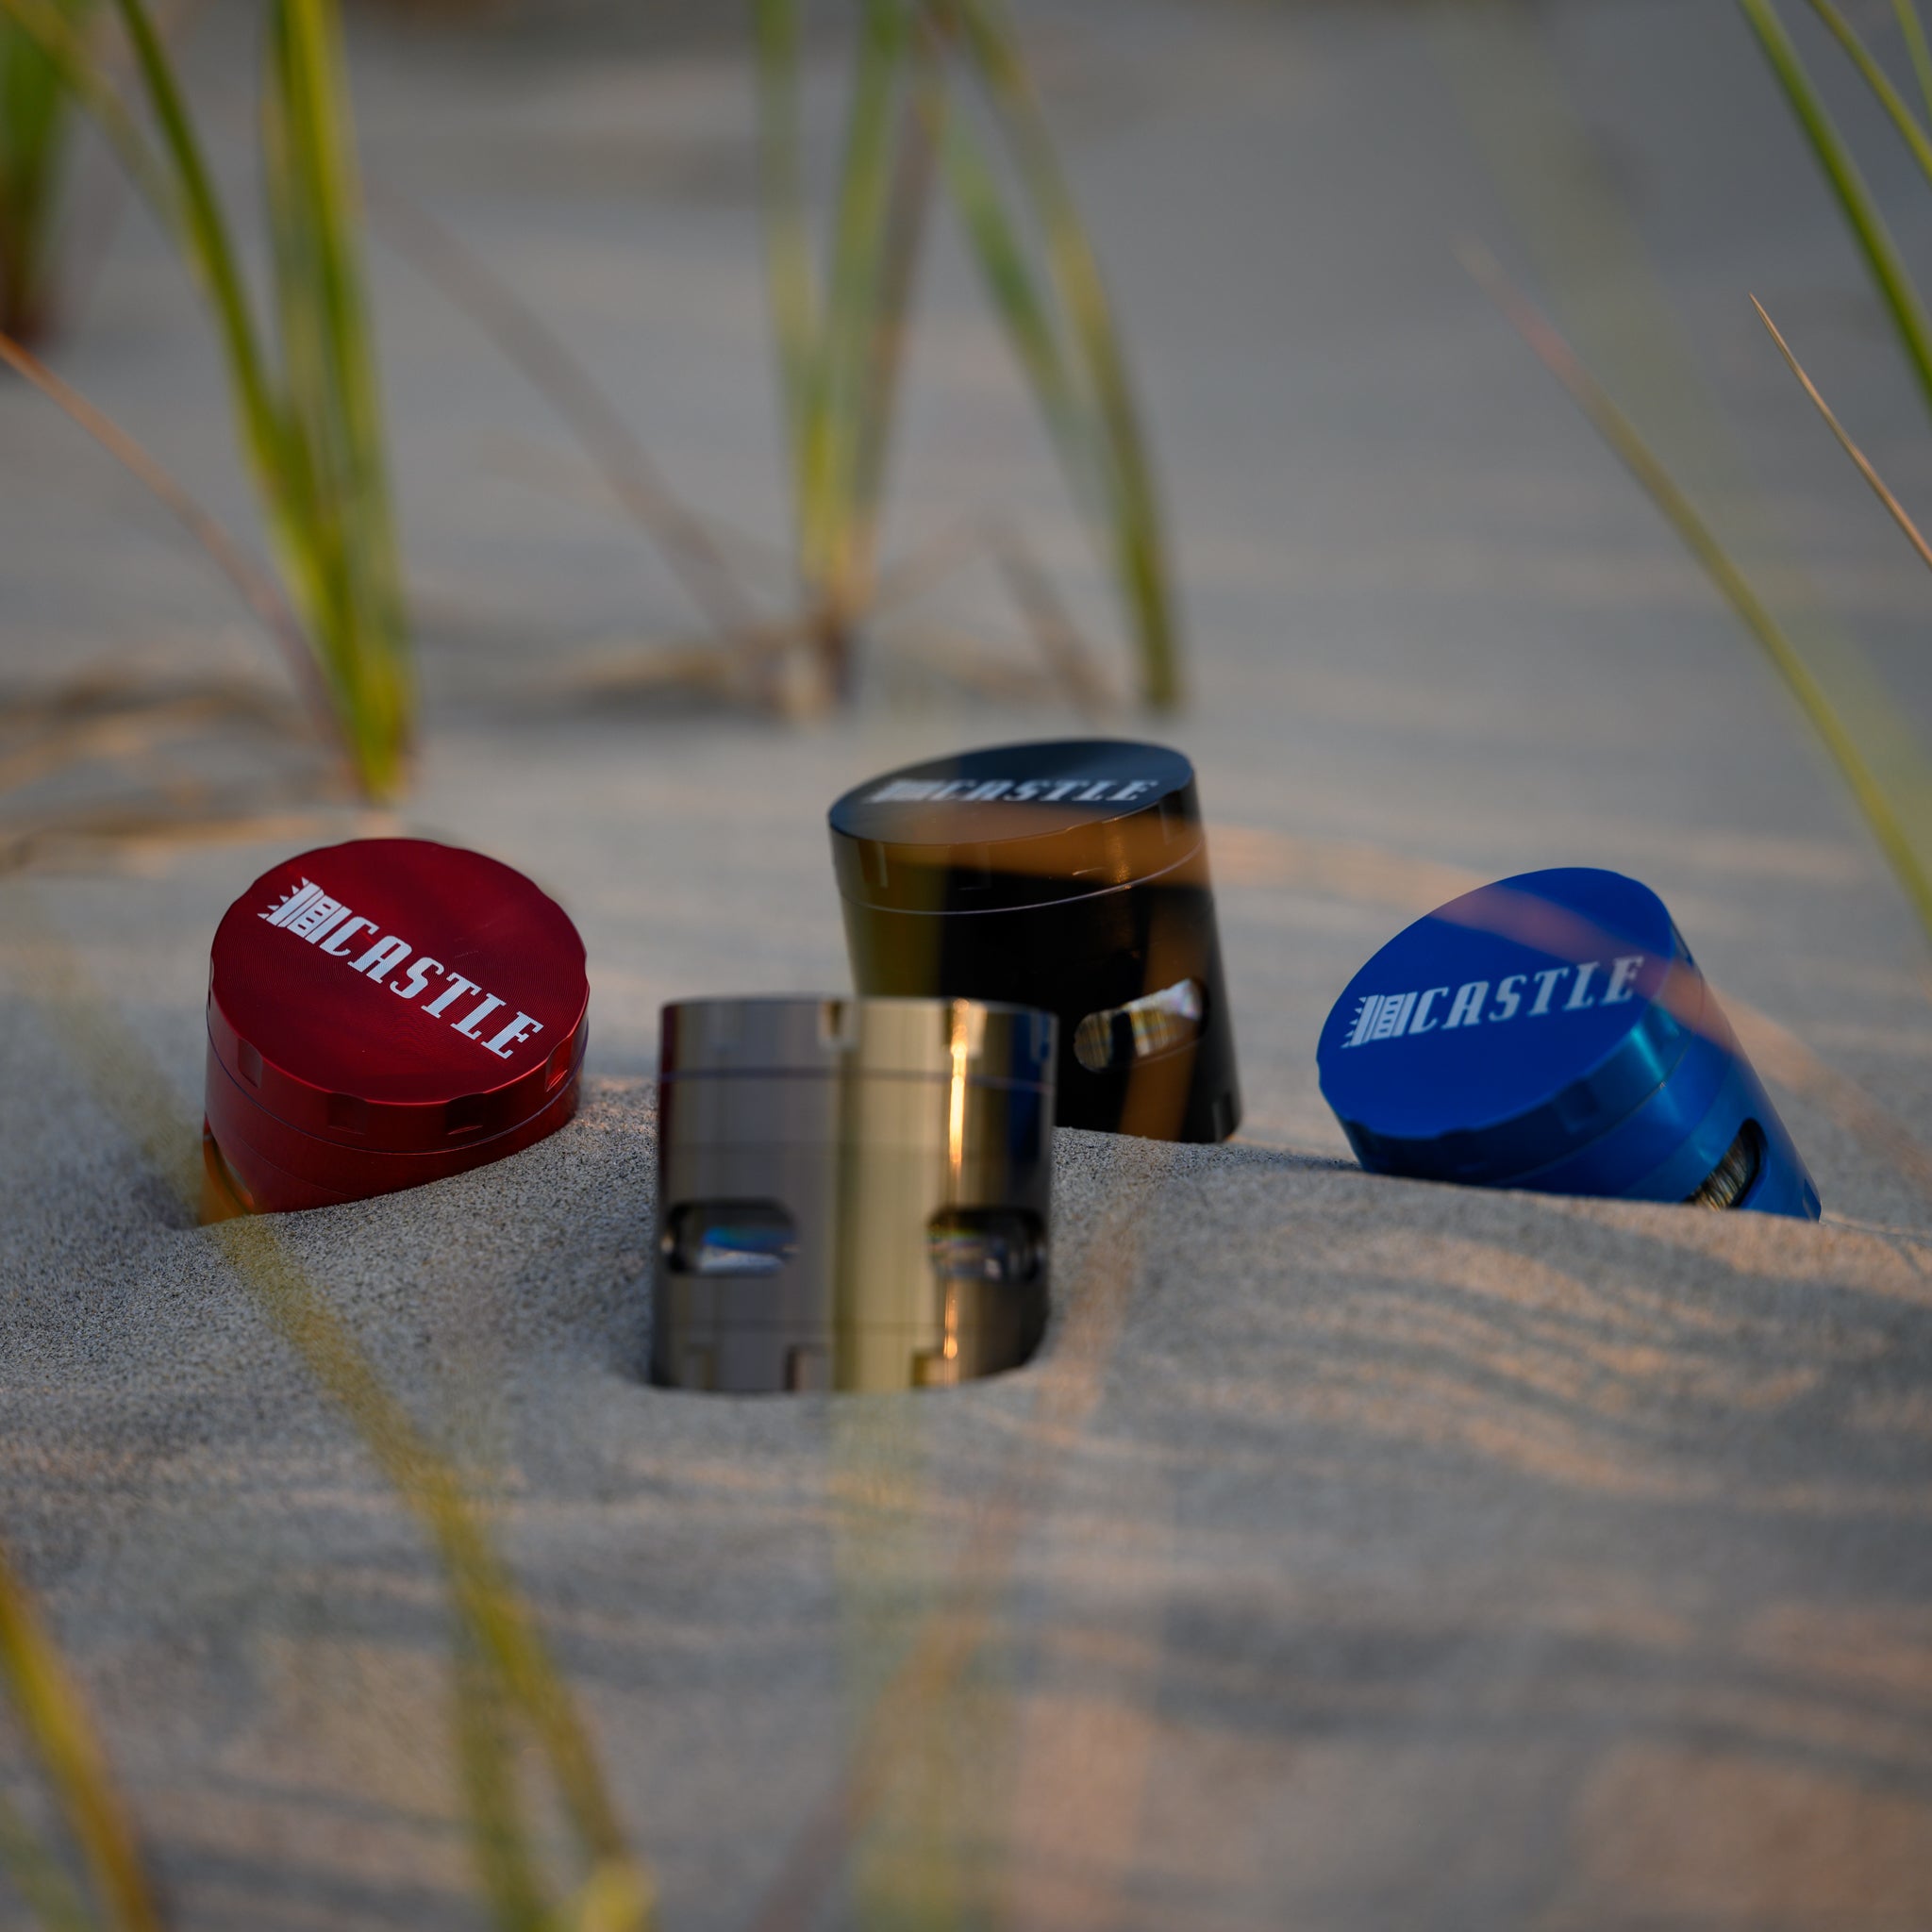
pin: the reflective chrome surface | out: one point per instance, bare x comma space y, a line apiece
1144, 1028
852, 1193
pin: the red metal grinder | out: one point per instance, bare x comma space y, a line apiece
383, 1013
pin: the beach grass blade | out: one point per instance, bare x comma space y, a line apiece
534, 347
35, 112
50, 1895
193, 215
1031, 334
499, 1630
70, 1759
841, 334
337, 479
841, 386
257, 589
496, 1624
1900, 830
1136, 532
616, 1897
306, 402
923, 113
1855, 197
1913, 28
1894, 509
791, 280
1876, 77
486, 1759
50, 26
498, 1634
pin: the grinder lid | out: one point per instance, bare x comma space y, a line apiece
1016, 824
396, 996
1511, 1028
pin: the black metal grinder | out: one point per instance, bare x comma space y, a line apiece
1070, 875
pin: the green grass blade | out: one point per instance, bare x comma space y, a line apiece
909, 197
313, 443
615, 1898
62, 1736
1882, 257
1024, 312
1138, 540
46, 25
349, 412
203, 232
1876, 78
498, 1624
334, 412
35, 106
486, 1759
1914, 30
51, 1896
792, 282
1889, 825
843, 389
307, 548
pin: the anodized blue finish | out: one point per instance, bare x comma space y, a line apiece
1553, 1032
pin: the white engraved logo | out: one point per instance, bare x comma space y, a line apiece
1012, 790
309, 913
1393, 1015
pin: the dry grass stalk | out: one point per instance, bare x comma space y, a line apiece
1067, 654
535, 349
1899, 835
1857, 204
1879, 489
256, 589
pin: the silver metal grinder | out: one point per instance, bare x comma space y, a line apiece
852, 1193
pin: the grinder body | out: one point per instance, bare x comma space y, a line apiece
1553, 1032
852, 1194
1070, 875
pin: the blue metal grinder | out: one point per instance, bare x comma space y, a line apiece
1553, 1032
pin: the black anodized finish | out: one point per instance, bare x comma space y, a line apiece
1070, 875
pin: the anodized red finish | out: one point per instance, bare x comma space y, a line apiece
387, 1011
277, 1169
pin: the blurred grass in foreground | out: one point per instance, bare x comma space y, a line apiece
1901, 842
75, 1768
1856, 203
841, 334
1907, 837
503, 1682
35, 112
307, 400
1588, 247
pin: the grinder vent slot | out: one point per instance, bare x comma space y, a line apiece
996, 1245
1731, 1179
741, 1237
1157, 1023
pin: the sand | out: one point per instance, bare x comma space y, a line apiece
1358, 1553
